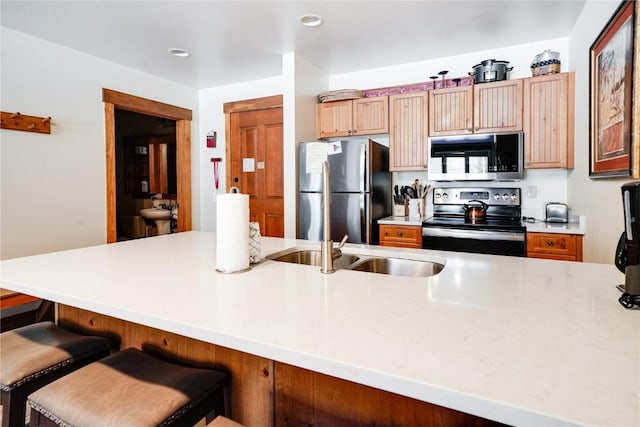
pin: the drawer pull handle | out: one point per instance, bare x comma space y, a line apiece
550, 243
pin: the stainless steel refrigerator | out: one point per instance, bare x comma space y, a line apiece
360, 189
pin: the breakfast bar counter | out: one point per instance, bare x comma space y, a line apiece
520, 341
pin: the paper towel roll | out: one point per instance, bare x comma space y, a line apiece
232, 232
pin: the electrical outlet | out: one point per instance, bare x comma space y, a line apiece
532, 192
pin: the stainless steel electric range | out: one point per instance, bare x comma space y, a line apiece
480, 220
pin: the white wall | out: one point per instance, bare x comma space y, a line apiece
53, 187
600, 200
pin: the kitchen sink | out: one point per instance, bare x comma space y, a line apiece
370, 264
398, 267
311, 257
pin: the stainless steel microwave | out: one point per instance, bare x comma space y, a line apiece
480, 157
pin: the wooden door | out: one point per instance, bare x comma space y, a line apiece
497, 106
408, 131
549, 121
451, 111
371, 115
334, 119
257, 166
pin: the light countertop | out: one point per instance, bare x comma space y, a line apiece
526, 342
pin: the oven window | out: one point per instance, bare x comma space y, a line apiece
489, 247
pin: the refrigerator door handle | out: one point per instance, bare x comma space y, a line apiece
364, 178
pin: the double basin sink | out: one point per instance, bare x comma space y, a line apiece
368, 263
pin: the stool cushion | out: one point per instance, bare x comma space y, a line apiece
221, 421
129, 388
35, 350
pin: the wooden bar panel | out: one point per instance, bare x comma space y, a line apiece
251, 376
307, 398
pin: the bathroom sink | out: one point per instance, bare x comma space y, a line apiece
155, 213
311, 257
366, 263
398, 267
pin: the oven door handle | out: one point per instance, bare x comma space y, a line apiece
473, 234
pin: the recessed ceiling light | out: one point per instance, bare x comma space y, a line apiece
310, 20
179, 52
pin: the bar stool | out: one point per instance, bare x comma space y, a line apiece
130, 388
223, 422
35, 355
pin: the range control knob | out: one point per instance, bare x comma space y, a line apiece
496, 196
438, 195
445, 196
505, 196
514, 196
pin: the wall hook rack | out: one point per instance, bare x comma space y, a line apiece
19, 121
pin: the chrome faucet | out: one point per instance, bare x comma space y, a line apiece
327, 252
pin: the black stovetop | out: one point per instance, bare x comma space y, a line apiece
459, 222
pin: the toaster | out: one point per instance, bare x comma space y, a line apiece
557, 212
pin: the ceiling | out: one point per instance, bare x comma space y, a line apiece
235, 41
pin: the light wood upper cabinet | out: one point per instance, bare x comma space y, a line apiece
451, 111
498, 106
549, 121
364, 116
482, 108
408, 131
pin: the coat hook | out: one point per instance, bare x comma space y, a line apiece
14, 115
31, 126
46, 120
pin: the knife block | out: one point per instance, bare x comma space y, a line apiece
401, 210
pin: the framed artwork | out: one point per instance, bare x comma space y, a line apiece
611, 94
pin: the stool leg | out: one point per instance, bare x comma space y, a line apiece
13, 409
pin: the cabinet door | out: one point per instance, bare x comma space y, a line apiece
497, 106
334, 118
549, 121
371, 115
451, 111
567, 247
408, 131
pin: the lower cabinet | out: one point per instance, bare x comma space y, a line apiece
403, 236
566, 247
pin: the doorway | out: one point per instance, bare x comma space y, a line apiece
255, 158
182, 118
145, 169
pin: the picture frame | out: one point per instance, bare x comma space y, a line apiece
611, 65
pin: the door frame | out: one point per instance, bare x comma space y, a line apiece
117, 100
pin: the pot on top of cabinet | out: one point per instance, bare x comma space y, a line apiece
490, 70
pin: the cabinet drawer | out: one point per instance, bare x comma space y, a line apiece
554, 246
401, 235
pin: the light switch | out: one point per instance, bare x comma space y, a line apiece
532, 192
